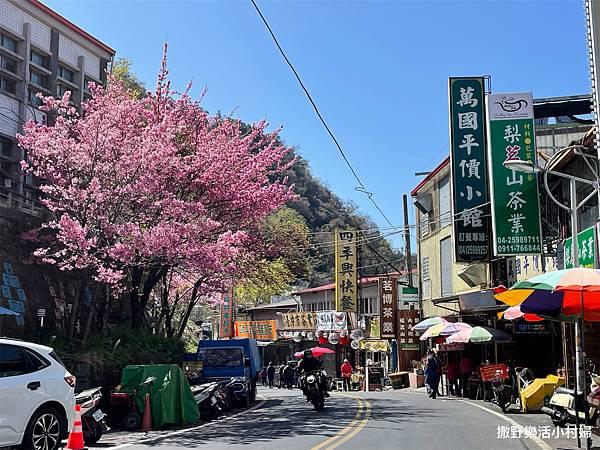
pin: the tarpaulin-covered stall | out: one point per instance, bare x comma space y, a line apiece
171, 398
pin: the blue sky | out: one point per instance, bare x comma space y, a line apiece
378, 70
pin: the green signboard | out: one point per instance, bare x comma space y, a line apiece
515, 198
469, 175
586, 243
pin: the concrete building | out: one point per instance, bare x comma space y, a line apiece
40, 51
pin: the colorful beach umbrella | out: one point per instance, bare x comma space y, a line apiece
444, 329
514, 312
427, 323
559, 295
480, 335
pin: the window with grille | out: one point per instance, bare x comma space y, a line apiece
444, 200
40, 59
9, 43
425, 268
6, 148
8, 85
66, 74
8, 64
39, 79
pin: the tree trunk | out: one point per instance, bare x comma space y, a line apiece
139, 300
75, 307
134, 297
188, 310
88, 324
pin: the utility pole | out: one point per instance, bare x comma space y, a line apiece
407, 241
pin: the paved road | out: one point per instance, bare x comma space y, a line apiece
378, 420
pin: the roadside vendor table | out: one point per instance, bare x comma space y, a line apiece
399, 380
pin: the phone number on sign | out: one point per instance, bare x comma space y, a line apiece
473, 249
516, 248
518, 240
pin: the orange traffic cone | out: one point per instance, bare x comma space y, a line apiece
147, 420
75, 441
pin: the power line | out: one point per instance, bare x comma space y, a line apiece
361, 187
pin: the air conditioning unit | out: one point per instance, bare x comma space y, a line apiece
424, 203
474, 274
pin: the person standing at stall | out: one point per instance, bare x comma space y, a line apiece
466, 368
453, 375
432, 373
346, 370
271, 374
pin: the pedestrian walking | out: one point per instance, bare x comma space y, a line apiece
466, 368
271, 374
346, 370
281, 377
453, 375
288, 376
432, 373
263, 376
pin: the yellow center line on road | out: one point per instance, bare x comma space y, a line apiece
357, 430
351, 426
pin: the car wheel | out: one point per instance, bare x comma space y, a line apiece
45, 430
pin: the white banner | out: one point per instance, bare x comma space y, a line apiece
331, 321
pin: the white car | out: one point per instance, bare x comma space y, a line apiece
37, 396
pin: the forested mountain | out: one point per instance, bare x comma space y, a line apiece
324, 211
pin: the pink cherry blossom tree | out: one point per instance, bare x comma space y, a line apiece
136, 187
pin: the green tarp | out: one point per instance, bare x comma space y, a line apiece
171, 398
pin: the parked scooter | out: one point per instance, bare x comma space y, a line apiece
562, 404
208, 404
92, 418
506, 394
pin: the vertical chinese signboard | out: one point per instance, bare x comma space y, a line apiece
226, 329
346, 286
388, 294
515, 201
469, 177
407, 338
586, 244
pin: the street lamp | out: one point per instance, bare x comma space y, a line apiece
530, 167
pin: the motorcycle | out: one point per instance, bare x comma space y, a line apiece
506, 394
208, 404
92, 418
313, 382
562, 404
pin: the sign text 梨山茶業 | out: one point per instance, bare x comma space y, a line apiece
515, 198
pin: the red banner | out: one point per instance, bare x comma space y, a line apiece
494, 372
227, 315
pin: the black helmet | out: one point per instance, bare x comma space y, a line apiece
307, 353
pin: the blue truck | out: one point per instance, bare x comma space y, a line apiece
237, 359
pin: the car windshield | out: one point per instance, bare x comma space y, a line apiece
221, 357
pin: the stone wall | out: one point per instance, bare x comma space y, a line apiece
26, 287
